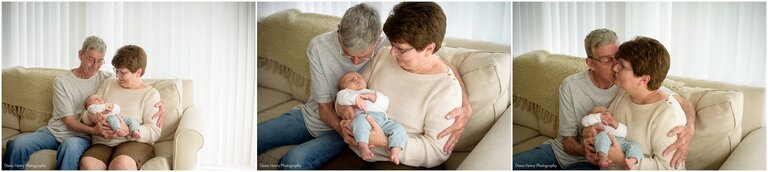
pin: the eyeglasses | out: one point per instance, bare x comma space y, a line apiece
622, 67
341, 51
93, 60
604, 60
119, 73
400, 50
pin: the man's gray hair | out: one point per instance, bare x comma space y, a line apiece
93, 43
360, 27
597, 38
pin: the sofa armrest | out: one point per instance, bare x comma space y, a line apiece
750, 154
491, 153
188, 140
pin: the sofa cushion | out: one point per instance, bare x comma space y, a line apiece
529, 144
34, 111
42, 160
10, 121
486, 79
521, 134
170, 93
276, 111
268, 98
718, 126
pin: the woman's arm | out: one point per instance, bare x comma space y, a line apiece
148, 129
427, 149
660, 141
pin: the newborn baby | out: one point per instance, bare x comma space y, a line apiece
95, 105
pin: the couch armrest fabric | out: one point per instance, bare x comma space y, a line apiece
493, 152
188, 140
750, 154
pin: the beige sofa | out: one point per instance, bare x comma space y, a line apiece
283, 82
730, 128
27, 106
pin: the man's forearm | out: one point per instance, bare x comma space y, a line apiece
572, 146
689, 110
329, 117
76, 126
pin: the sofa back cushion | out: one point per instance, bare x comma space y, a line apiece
283, 38
486, 79
171, 95
718, 125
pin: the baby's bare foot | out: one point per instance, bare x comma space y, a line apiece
603, 160
630, 162
365, 152
393, 155
135, 135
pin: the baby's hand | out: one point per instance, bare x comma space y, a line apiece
360, 103
369, 96
608, 120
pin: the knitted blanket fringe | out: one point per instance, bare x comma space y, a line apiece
26, 113
293, 77
537, 110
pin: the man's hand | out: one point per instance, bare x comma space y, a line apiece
346, 112
346, 132
589, 150
102, 129
684, 137
160, 115
588, 140
377, 138
462, 116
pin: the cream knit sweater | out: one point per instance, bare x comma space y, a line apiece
419, 102
647, 125
138, 104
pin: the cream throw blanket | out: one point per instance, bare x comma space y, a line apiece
291, 29
28, 92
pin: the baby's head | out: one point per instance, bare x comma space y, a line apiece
352, 80
93, 99
600, 109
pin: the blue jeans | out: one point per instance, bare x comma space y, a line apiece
543, 158
539, 158
68, 152
289, 129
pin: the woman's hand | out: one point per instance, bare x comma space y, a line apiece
123, 131
615, 153
377, 138
462, 116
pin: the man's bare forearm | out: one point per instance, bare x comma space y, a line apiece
572, 146
77, 126
690, 112
329, 117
